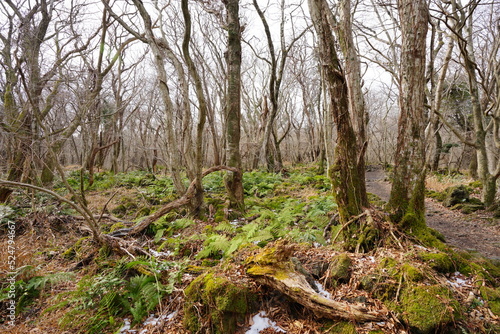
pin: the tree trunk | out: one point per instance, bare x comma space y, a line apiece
343, 173
197, 200
234, 180
407, 193
357, 110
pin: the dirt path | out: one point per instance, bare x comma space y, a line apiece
478, 231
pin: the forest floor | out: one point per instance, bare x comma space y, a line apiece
475, 232
65, 284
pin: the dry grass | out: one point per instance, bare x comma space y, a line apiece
441, 182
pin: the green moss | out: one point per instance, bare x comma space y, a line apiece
342, 328
387, 263
339, 268
475, 264
216, 304
439, 196
116, 226
375, 200
429, 237
426, 309
411, 273
493, 298
440, 262
73, 251
456, 195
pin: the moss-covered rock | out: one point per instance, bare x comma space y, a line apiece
428, 308
492, 296
470, 208
215, 305
440, 261
339, 269
456, 195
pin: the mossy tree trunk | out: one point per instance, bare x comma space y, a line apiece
358, 113
408, 188
234, 181
349, 190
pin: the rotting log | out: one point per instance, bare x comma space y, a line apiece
274, 268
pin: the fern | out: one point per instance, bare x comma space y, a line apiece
214, 245
98, 300
225, 227
28, 291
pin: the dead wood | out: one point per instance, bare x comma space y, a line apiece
274, 268
183, 200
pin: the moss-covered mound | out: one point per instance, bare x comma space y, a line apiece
426, 309
215, 304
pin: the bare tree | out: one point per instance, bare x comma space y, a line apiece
270, 149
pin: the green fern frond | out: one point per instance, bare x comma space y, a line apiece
213, 245
225, 227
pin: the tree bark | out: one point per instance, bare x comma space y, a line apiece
347, 185
234, 180
407, 193
197, 200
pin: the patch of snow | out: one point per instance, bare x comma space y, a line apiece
171, 315
5, 211
153, 321
260, 323
457, 280
160, 254
126, 327
322, 290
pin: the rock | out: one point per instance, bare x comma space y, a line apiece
456, 195
339, 270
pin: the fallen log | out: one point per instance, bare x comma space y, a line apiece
273, 267
175, 204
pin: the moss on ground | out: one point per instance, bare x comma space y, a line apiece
216, 305
428, 308
492, 296
440, 261
342, 327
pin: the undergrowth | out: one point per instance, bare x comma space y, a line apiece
128, 289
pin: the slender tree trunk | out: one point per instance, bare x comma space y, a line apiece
158, 57
197, 200
234, 180
408, 188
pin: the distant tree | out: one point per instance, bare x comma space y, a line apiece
481, 72
270, 152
